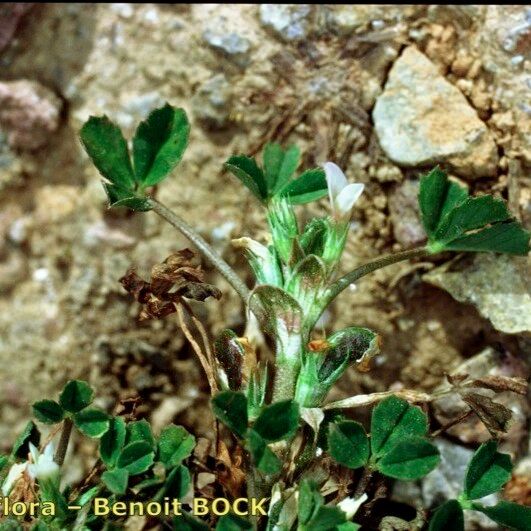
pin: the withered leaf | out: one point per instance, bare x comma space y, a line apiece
176, 278
501, 384
494, 415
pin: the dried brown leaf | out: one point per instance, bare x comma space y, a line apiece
176, 278
494, 416
501, 384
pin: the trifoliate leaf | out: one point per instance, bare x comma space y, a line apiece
76, 395
456, 222
92, 422
112, 441
487, 471
231, 408
48, 411
279, 165
177, 483
159, 144
348, 443
30, 434
263, 457
448, 516
116, 480
233, 522
249, 173
106, 146
508, 514
392, 420
410, 458
278, 421
175, 445
309, 186
136, 457
140, 430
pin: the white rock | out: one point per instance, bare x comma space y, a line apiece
422, 119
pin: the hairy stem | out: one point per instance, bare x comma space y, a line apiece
335, 289
63, 442
204, 248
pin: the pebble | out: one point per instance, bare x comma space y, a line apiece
421, 119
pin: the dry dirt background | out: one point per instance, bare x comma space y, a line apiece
453, 84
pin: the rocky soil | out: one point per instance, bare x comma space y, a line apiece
385, 91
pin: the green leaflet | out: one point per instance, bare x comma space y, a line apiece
140, 430
448, 516
112, 441
76, 395
249, 173
92, 422
106, 146
136, 457
231, 408
392, 420
487, 472
410, 458
159, 144
508, 514
279, 165
175, 445
278, 421
456, 222
348, 443
48, 411
309, 186
263, 457
116, 480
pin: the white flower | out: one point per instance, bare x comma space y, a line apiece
350, 505
15, 473
342, 194
43, 466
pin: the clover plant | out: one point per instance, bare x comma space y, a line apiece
275, 415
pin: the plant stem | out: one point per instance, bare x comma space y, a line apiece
337, 287
204, 248
63, 442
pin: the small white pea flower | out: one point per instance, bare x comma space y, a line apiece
350, 506
43, 466
15, 473
342, 194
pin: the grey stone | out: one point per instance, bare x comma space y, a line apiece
498, 286
404, 211
422, 119
235, 46
212, 101
290, 22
